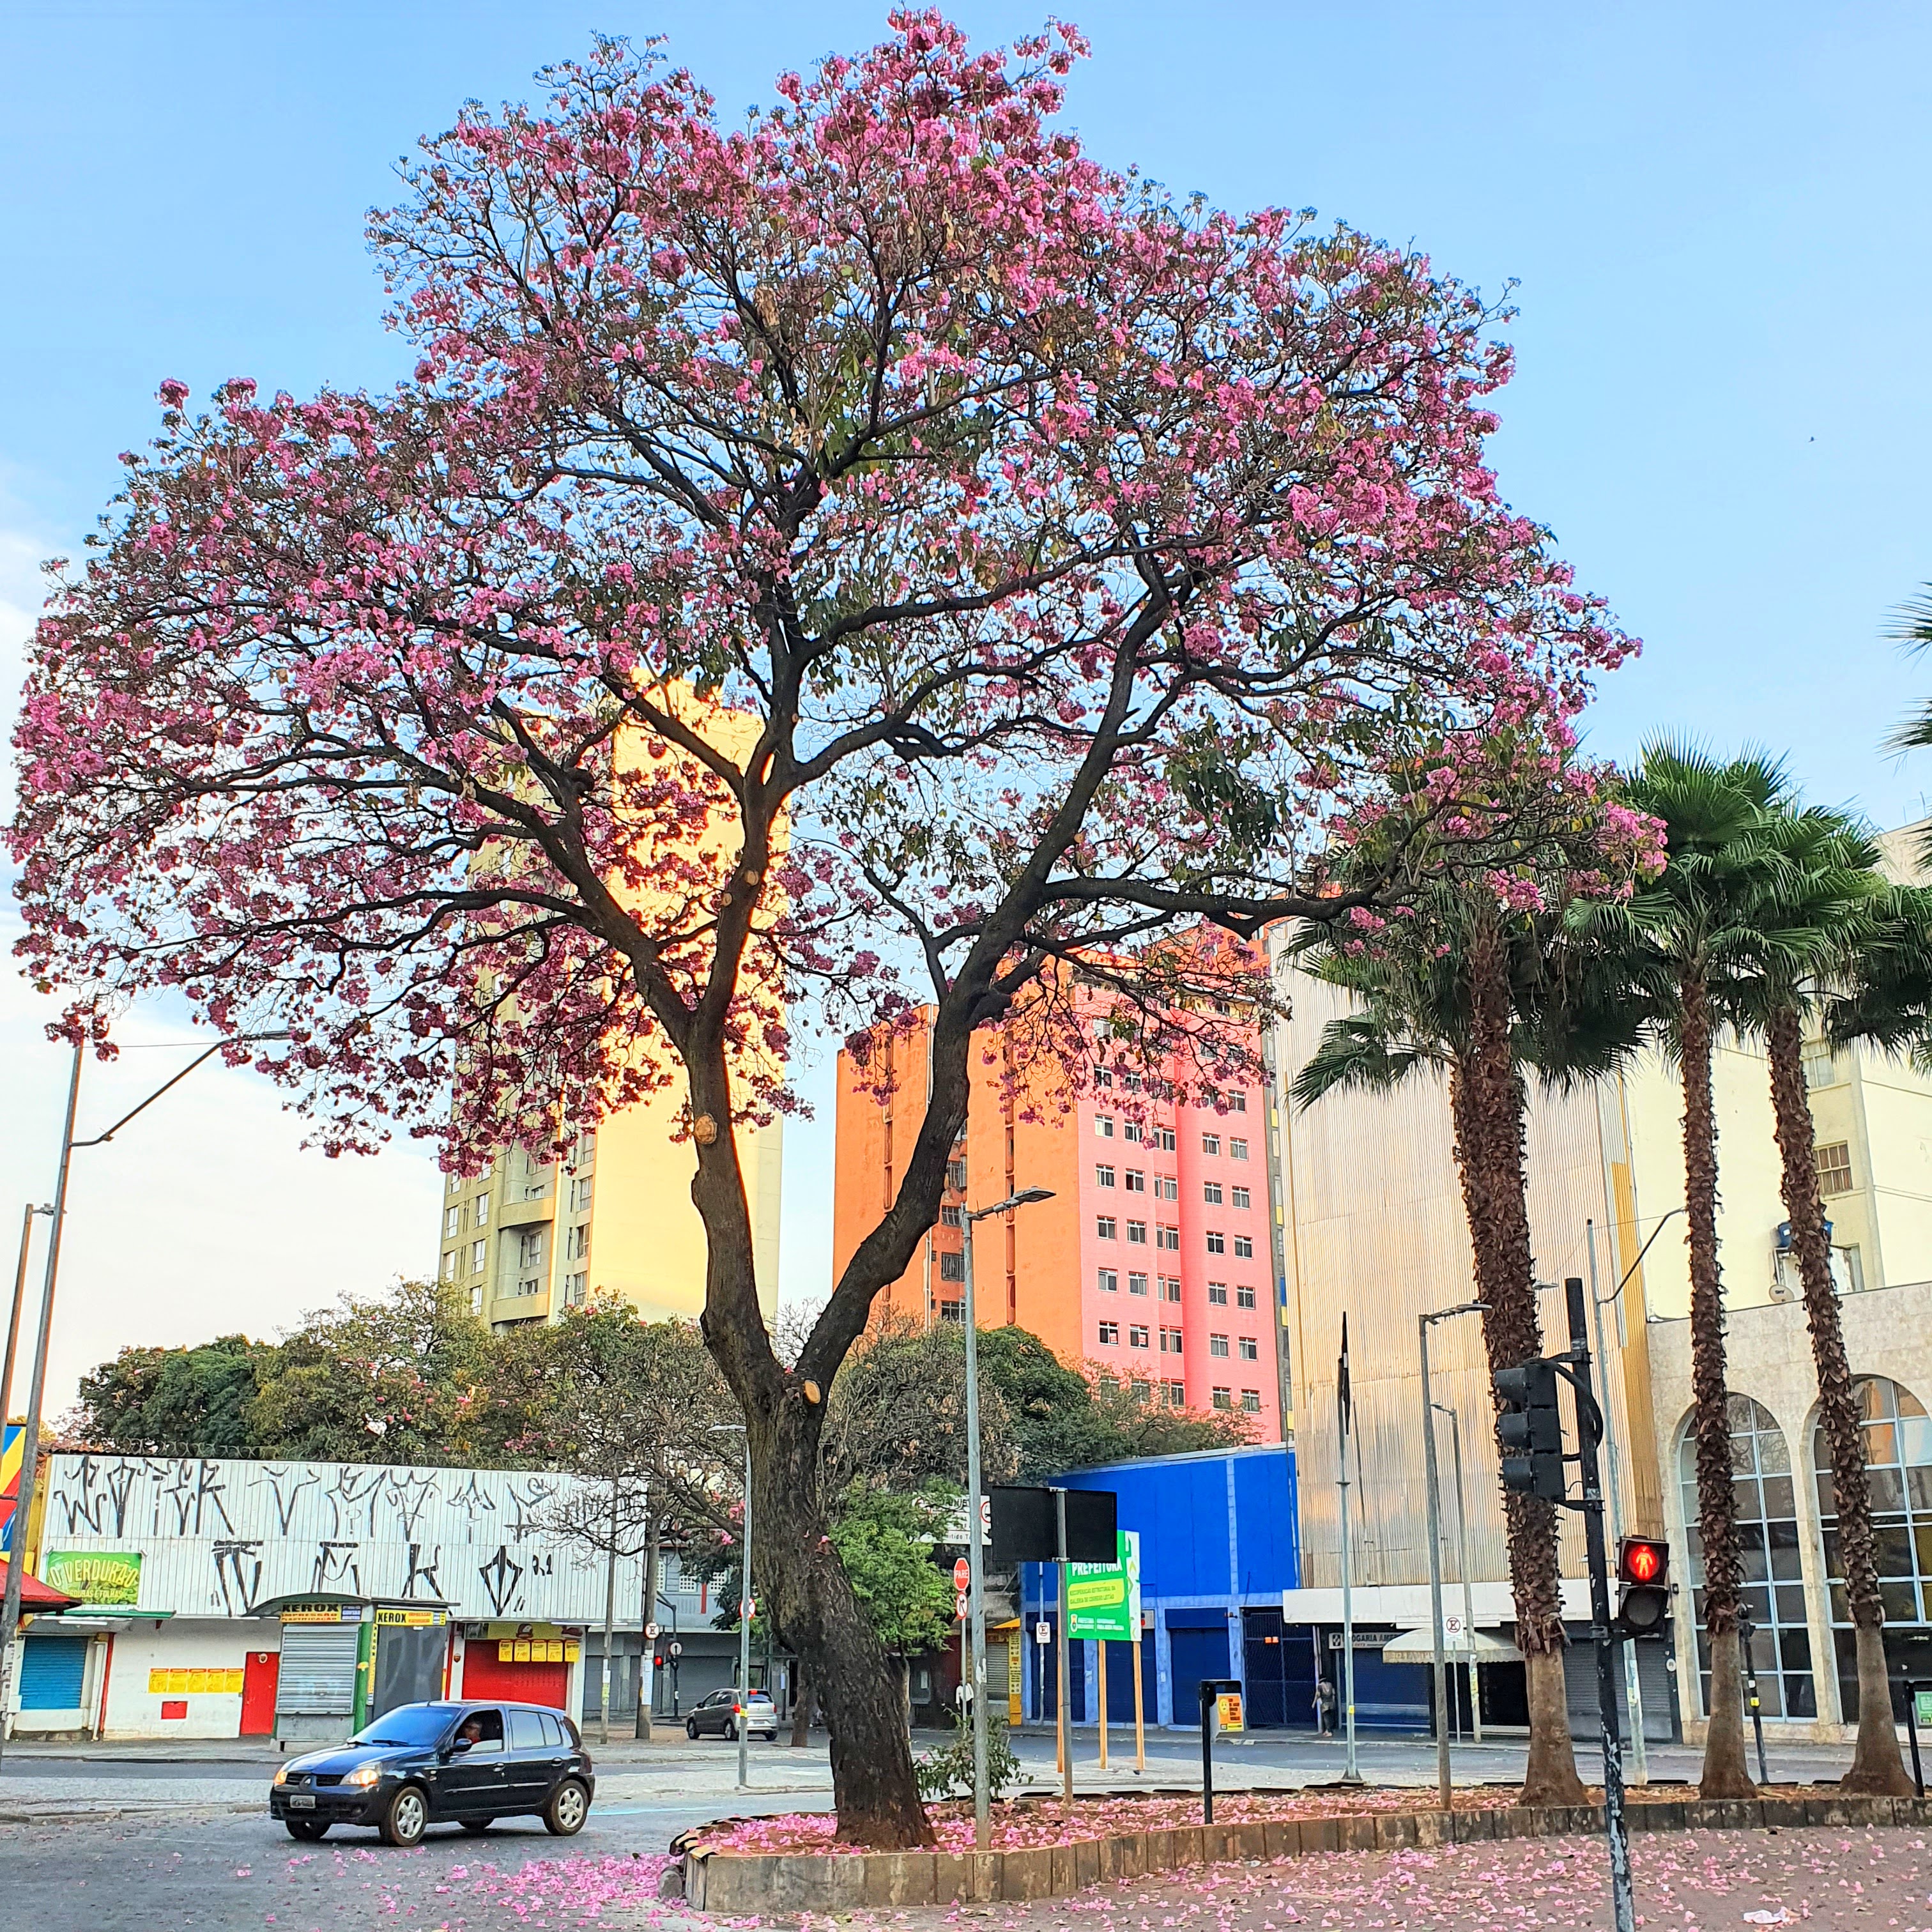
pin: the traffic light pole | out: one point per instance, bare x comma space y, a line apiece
1589, 1433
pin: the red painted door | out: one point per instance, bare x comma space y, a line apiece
260, 1674
486, 1675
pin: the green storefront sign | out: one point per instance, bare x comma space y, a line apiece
1103, 1600
105, 1578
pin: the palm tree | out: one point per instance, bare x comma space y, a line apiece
1467, 989
1837, 944
1699, 929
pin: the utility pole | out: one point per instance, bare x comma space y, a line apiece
1344, 1419
1463, 1563
1445, 1788
647, 1674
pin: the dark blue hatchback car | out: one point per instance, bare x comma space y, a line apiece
424, 1764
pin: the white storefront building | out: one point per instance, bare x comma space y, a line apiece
223, 1598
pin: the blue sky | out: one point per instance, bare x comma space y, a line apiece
1717, 216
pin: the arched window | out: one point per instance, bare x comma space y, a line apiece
1898, 1466
1773, 1588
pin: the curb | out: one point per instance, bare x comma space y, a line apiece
738, 1884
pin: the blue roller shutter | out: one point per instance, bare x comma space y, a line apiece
52, 1675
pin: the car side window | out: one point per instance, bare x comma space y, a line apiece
526, 1731
485, 1730
553, 1733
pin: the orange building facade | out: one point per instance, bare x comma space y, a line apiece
1150, 1264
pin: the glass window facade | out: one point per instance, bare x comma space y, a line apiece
1898, 1465
1773, 1588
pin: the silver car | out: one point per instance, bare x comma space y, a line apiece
721, 1715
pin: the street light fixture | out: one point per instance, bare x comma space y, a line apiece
30, 1435
975, 1555
744, 1612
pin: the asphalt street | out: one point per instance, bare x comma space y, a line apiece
102, 1837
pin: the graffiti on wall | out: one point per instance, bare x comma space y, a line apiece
224, 1538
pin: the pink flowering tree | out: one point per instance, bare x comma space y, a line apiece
871, 552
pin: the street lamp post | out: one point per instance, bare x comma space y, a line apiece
744, 1612
13, 1316
1463, 1563
30, 1435
1423, 1322
975, 1554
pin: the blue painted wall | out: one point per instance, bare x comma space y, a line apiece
1218, 1536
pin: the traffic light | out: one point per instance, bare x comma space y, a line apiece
1531, 1430
1643, 1599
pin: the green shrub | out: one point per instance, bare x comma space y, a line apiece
949, 1769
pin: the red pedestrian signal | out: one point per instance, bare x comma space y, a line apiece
1642, 1559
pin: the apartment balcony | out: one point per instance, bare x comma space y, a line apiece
525, 1213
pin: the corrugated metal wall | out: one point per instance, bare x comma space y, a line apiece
1376, 1227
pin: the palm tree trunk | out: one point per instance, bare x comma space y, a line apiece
1876, 1766
1724, 1774
1487, 1101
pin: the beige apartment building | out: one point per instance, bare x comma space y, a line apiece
1372, 1223
530, 1239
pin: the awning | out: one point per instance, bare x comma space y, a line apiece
1418, 1646
41, 1598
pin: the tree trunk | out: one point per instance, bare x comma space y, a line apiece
1485, 1100
805, 1694
647, 1680
1725, 1775
1877, 1765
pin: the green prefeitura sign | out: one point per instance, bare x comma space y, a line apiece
1922, 1709
1103, 1600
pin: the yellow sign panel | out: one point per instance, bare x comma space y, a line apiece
181, 1683
1228, 1709
1097, 1593
536, 1650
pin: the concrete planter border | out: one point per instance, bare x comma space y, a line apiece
738, 1884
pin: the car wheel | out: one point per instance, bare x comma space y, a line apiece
771, 1737
405, 1817
477, 1824
690, 1727
569, 1805
731, 1730
308, 1830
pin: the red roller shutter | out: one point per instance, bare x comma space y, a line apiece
486, 1675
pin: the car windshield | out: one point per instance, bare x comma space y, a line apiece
410, 1724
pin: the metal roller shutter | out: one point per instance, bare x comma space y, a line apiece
51, 1673
318, 1669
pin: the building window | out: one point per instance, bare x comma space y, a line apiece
576, 1243
1237, 1149
1164, 1139
1217, 1345
476, 1300
454, 1184
1210, 1143
956, 1176
1217, 1242
1250, 1349
1137, 1284
1110, 1334
1821, 1067
1170, 1341
1238, 1103
953, 1311
530, 1248
1166, 1188
1210, 1193
452, 1221
1898, 1470
1131, 1081
1137, 1336
1106, 1227
1102, 1078
1176, 1393
951, 1264
529, 1285
1170, 1288
1137, 1232
1251, 1401
449, 1265
1110, 1282
1773, 1588
580, 1194
1103, 1176
1139, 1388
1168, 1238
1136, 1180
1133, 1130
576, 1289
1244, 1247
478, 1249
949, 1215
1244, 1296
1224, 1398
482, 1210
1834, 1168
1242, 1199
1217, 1293
1103, 1126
